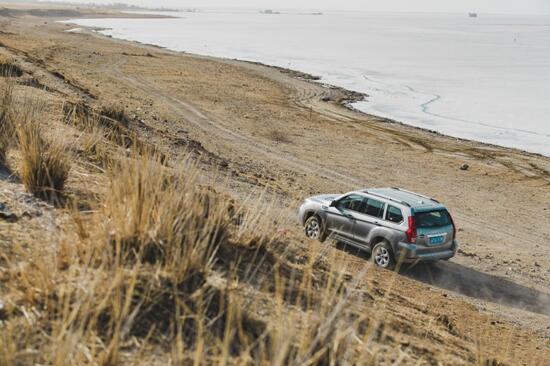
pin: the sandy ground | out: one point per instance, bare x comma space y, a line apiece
261, 129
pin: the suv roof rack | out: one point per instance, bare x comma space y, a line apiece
416, 194
387, 197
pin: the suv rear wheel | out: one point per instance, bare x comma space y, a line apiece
382, 255
314, 229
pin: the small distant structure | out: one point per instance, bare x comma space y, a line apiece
317, 13
472, 15
269, 12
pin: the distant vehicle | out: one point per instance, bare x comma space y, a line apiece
391, 223
472, 15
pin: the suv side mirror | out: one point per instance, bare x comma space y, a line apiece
333, 203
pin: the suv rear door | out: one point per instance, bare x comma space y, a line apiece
434, 228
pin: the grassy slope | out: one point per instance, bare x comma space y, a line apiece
143, 262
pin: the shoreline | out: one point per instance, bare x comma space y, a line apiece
351, 96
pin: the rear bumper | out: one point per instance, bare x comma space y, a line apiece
408, 253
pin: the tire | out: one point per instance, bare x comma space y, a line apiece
382, 255
314, 229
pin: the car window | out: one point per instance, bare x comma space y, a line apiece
374, 208
352, 202
433, 219
394, 215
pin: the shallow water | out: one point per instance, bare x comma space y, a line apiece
486, 79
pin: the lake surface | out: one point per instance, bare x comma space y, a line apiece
486, 79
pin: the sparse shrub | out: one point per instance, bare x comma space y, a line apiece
44, 166
279, 136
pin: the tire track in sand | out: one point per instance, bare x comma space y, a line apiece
210, 125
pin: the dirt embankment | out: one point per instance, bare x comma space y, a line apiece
254, 129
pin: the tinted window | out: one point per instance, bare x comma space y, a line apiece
394, 215
432, 219
353, 202
374, 208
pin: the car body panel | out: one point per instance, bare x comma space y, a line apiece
339, 221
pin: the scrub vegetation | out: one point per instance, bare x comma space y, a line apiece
158, 268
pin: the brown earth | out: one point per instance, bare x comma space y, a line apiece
261, 130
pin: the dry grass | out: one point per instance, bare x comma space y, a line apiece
6, 120
44, 165
279, 137
156, 213
116, 112
9, 68
114, 130
157, 267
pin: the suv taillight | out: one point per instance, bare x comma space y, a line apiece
411, 231
454, 226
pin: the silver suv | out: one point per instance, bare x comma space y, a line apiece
393, 224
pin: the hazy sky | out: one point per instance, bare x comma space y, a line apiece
482, 6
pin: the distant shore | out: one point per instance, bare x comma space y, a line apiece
345, 97
421, 117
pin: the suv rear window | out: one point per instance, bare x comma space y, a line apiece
394, 215
374, 208
432, 219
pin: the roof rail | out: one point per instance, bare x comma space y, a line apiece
387, 197
416, 194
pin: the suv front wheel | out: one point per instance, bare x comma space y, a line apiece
382, 255
314, 229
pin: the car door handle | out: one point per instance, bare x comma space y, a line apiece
349, 216
377, 223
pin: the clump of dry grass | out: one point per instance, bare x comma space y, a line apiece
6, 120
114, 130
279, 137
116, 112
44, 164
88, 120
156, 213
9, 68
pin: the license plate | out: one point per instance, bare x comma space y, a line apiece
435, 240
